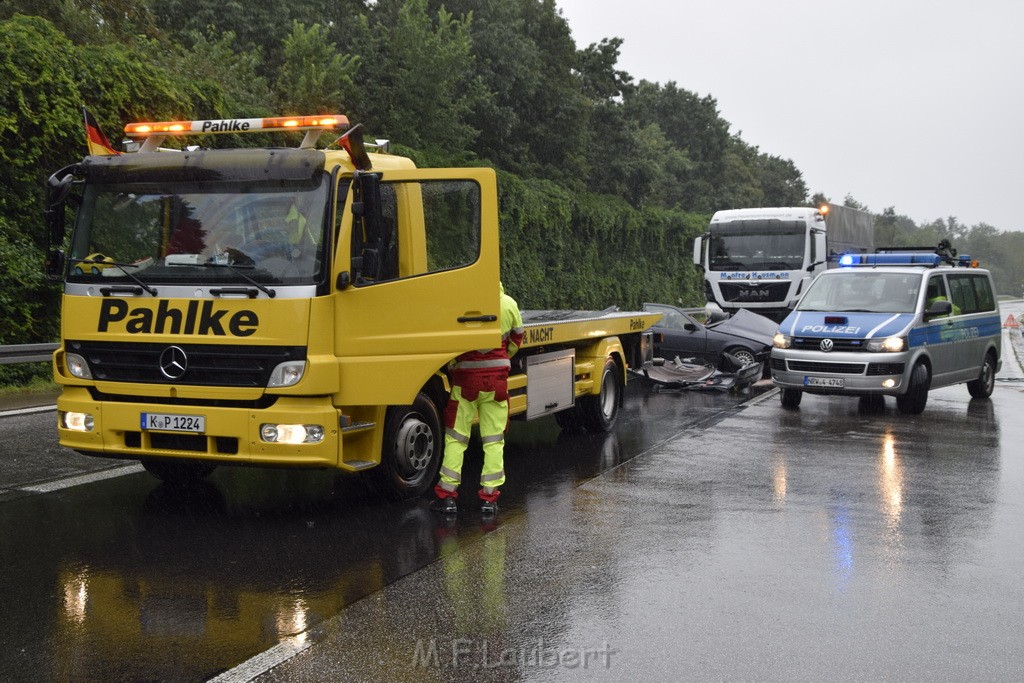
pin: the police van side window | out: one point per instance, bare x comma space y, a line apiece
972, 293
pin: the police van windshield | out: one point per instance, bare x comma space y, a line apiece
213, 233
757, 245
864, 291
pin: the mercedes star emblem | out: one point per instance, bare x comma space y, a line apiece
173, 362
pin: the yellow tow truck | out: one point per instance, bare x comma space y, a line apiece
296, 307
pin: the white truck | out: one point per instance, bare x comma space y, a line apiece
763, 259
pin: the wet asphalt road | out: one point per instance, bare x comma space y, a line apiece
710, 536
124, 579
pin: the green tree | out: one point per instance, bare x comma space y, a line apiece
314, 78
423, 87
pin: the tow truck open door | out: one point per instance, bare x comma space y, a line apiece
417, 265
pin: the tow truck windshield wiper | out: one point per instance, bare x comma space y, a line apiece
235, 269
123, 268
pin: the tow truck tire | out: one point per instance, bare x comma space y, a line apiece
791, 397
600, 412
412, 450
178, 473
914, 401
986, 382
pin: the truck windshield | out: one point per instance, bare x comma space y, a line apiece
177, 233
757, 245
863, 291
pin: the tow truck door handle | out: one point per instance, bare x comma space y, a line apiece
477, 318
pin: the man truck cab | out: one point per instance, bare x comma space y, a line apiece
891, 324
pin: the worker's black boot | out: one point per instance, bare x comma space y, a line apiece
445, 506
488, 502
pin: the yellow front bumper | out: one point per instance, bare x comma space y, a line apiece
232, 434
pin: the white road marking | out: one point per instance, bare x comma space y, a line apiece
68, 482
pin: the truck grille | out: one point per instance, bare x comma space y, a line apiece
836, 368
737, 292
207, 364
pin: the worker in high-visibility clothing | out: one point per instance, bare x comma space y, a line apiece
480, 389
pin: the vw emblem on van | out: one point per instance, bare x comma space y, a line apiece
173, 362
825, 345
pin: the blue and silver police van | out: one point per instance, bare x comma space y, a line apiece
891, 324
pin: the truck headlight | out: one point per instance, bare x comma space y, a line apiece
77, 422
287, 374
887, 345
782, 341
291, 434
77, 366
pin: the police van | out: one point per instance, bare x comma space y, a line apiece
891, 324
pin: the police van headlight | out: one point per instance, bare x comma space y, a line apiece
782, 341
887, 345
287, 374
77, 366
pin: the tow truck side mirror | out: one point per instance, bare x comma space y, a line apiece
53, 266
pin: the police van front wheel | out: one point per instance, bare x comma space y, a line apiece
791, 398
913, 402
986, 382
413, 445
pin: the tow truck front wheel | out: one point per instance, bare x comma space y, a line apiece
178, 473
413, 446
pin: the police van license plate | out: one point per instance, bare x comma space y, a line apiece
836, 382
166, 422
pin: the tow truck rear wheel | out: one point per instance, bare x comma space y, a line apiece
791, 397
986, 382
178, 473
913, 402
600, 412
413, 446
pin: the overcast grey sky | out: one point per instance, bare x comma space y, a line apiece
917, 104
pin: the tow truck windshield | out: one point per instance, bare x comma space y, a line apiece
172, 233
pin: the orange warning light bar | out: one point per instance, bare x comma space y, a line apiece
318, 122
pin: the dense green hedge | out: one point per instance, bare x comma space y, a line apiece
583, 251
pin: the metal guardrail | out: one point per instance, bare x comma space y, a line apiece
26, 353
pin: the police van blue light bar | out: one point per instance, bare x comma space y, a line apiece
902, 259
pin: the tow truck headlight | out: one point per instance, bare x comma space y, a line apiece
887, 345
287, 374
291, 434
77, 366
782, 341
78, 422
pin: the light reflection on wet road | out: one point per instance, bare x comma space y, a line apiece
127, 579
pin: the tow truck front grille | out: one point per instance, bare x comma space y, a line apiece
227, 365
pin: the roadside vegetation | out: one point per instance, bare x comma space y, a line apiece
604, 179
